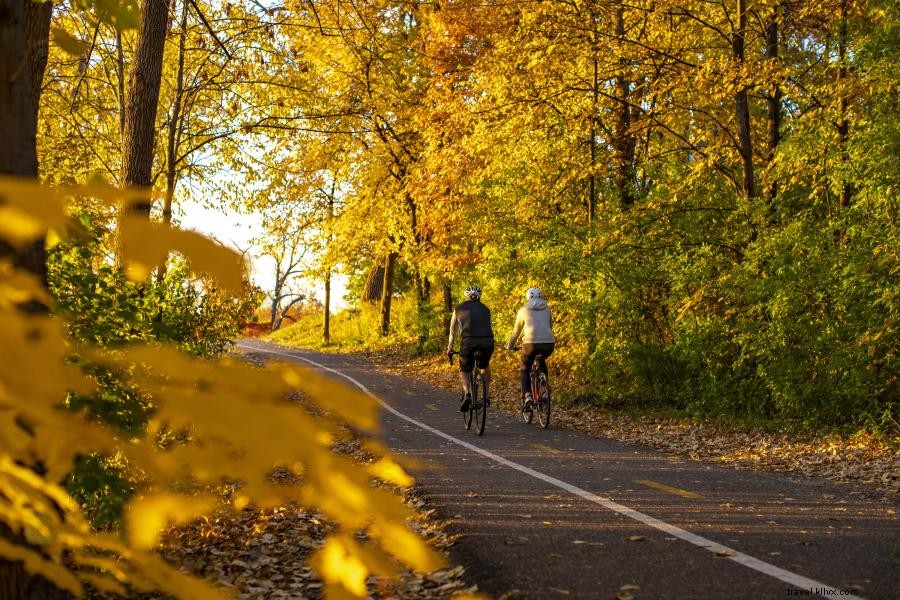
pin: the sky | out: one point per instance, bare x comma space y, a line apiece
238, 231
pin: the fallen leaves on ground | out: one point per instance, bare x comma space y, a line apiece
871, 464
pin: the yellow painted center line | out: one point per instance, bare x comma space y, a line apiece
666, 488
431, 407
546, 448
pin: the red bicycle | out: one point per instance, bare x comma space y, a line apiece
541, 400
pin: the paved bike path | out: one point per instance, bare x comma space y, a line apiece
525, 505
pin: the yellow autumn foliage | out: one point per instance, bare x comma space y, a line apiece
240, 424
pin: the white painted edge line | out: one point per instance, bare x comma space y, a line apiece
739, 557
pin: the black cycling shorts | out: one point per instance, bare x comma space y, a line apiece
467, 353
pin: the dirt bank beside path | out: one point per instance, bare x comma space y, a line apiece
870, 466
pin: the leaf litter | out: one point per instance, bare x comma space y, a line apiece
870, 465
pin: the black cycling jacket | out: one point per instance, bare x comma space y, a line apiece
471, 319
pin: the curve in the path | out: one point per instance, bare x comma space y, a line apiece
800, 584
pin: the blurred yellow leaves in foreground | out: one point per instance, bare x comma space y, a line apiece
238, 425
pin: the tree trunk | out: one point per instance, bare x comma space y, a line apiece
172, 137
448, 307
326, 326
387, 289
37, 24
24, 40
773, 102
274, 321
624, 142
843, 126
120, 84
372, 290
18, 123
595, 95
742, 105
22, 60
143, 98
422, 312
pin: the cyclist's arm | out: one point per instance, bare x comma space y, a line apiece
454, 325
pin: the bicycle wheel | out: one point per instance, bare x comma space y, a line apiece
469, 414
527, 411
544, 401
479, 404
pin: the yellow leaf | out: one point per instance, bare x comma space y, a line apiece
17, 227
390, 471
70, 44
408, 547
146, 245
147, 516
336, 563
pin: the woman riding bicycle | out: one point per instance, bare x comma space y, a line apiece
471, 322
535, 324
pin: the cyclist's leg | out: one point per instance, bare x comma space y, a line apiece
527, 359
545, 350
485, 364
466, 362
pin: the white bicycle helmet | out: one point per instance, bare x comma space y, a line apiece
533, 293
473, 292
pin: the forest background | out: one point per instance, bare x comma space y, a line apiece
706, 191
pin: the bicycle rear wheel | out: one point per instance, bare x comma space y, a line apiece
544, 401
526, 410
479, 404
467, 416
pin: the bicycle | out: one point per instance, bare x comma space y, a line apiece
541, 400
477, 412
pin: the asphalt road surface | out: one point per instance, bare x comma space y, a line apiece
557, 514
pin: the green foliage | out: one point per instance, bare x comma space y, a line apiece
102, 490
359, 328
107, 308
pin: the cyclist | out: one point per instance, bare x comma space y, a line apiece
471, 322
535, 324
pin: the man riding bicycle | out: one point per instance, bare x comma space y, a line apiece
471, 322
535, 324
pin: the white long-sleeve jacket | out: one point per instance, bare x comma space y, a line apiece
534, 323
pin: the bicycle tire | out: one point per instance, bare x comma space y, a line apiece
527, 411
545, 401
479, 405
470, 414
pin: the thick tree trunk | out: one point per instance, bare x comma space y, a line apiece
773, 102
24, 40
624, 142
172, 134
18, 123
22, 61
143, 98
37, 24
387, 290
742, 105
374, 283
